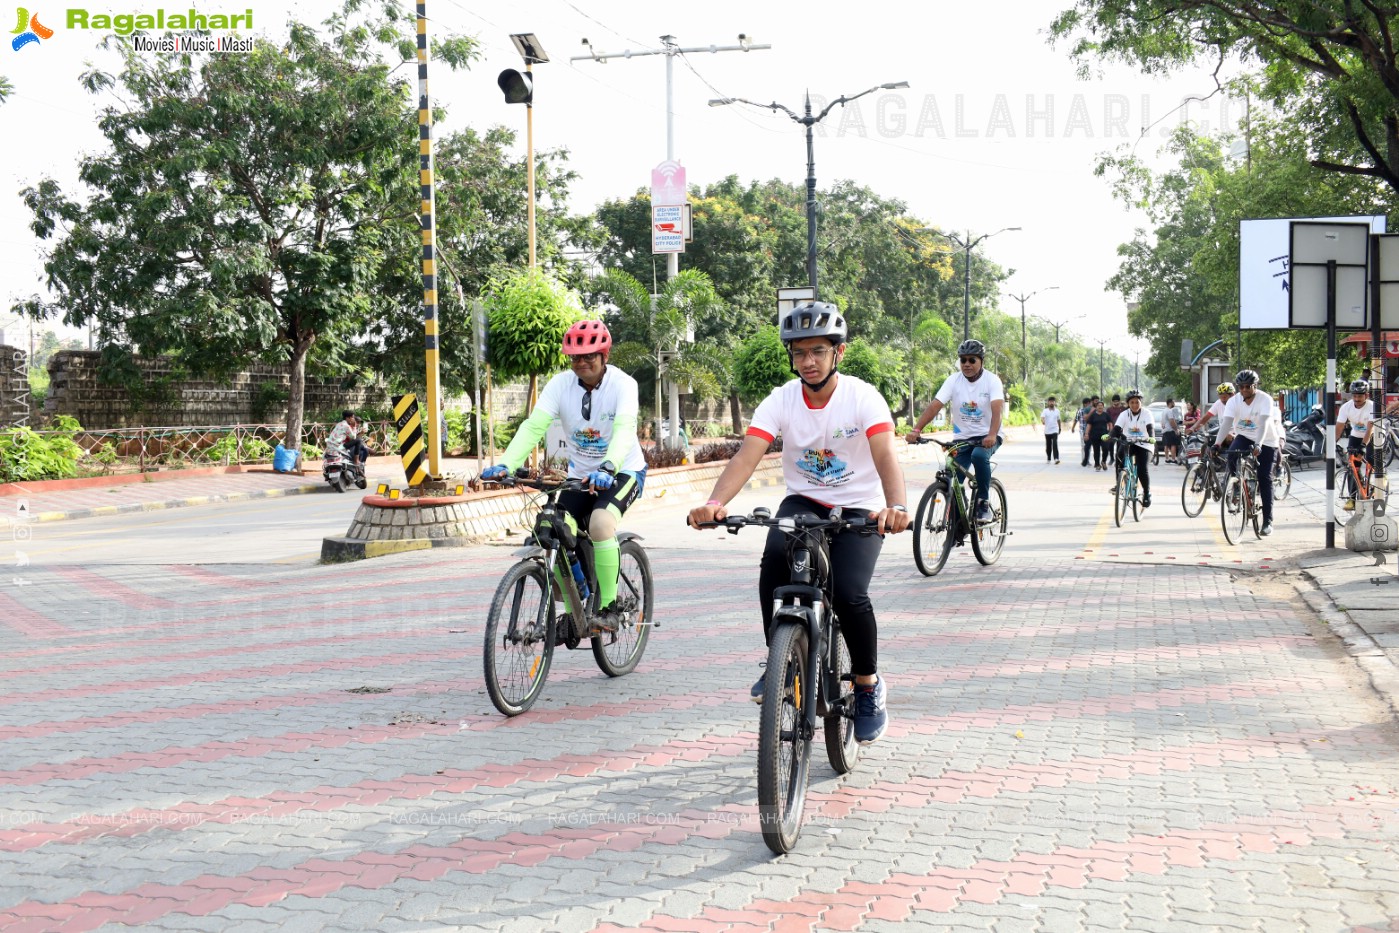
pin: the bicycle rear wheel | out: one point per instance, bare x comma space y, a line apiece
784, 755
1195, 490
618, 652
1282, 478
990, 537
839, 725
1233, 513
933, 526
519, 638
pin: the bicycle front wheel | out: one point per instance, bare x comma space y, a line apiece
519, 638
1233, 510
784, 753
618, 652
933, 526
988, 538
1195, 490
1119, 499
1282, 478
839, 725
1344, 493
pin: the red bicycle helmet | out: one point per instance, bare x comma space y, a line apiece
587, 337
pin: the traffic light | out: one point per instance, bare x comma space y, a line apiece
517, 86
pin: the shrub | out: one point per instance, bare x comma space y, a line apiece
725, 450
26, 455
659, 455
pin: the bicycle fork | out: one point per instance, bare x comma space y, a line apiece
801, 606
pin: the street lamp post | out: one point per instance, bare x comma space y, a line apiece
967, 246
1101, 344
1024, 358
1057, 324
808, 121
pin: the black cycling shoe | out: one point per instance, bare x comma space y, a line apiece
1146, 501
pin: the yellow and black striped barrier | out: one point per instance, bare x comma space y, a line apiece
410, 438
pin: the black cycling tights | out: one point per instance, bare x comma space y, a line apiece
853, 557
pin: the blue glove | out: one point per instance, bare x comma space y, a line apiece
496, 472
600, 480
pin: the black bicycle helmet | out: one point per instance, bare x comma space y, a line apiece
1133, 394
813, 319
1246, 377
972, 347
1359, 386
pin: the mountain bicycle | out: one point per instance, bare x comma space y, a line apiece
1354, 480
1202, 482
549, 598
1127, 490
808, 672
943, 517
1240, 504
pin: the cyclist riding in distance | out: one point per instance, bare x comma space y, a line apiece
1226, 392
837, 451
1135, 425
1358, 414
976, 400
1251, 418
597, 405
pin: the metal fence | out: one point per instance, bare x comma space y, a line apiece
145, 448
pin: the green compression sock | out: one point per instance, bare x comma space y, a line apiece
607, 560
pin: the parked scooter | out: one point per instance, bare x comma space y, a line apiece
1305, 441
341, 471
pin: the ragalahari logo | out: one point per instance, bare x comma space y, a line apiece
28, 29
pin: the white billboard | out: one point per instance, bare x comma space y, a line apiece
1265, 274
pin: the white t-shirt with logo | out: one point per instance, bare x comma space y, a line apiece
1050, 418
614, 402
1256, 420
1358, 418
969, 403
826, 451
1137, 428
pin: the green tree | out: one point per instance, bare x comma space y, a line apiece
643, 328
761, 364
247, 205
1331, 65
881, 367
528, 313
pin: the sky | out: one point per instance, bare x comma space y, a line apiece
996, 129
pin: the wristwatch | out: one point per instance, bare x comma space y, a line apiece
607, 467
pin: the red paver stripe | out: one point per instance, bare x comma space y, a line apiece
27, 622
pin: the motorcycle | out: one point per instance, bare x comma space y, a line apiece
1305, 441
341, 470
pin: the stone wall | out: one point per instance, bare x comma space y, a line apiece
16, 407
245, 398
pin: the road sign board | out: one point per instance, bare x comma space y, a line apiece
667, 228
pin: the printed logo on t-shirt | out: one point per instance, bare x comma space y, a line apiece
823, 467
849, 430
589, 439
1247, 424
1136, 432
971, 411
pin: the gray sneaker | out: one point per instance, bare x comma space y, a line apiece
984, 513
759, 687
871, 719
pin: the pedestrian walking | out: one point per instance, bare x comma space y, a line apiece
1098, 424
1081, 426
1049, 417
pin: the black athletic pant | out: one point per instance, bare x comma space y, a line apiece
853, 557
1051, 446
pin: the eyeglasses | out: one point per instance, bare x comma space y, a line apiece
588, 358
969, 359
815, 354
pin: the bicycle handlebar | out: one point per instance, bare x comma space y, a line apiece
837, 522
567, 485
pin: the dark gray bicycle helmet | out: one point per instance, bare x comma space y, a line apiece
972, 347
1359, 386
1133, 394
813, 319
1246, 377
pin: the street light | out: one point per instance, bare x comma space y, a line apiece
1025, 360
1058, 324
519, 89
808, 121
968, 245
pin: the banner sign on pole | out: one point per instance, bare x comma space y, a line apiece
668, 184
667, 228
1265, 273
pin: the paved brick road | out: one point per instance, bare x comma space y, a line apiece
1075, 746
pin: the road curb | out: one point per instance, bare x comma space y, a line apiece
1367, 653
101, 510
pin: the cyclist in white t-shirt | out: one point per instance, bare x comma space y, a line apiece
837, 451
1358, 415
1251, 419
597, 406
1049, 417
1135, 427
976, 400
1226, 392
